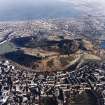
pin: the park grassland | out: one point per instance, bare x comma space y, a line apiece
6, 47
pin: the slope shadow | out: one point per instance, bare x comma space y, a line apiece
21, 58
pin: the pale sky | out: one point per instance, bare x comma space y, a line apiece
4, 3
88, 4
11, 9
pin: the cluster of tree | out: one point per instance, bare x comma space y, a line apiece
68, 47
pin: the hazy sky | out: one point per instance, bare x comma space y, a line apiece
20, 9
88, 5
5, 3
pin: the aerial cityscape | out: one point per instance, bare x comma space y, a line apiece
52, 52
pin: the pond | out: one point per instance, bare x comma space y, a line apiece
102, 45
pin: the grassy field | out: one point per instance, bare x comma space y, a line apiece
6, 47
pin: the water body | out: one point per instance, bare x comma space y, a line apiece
32, 9
102, 45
